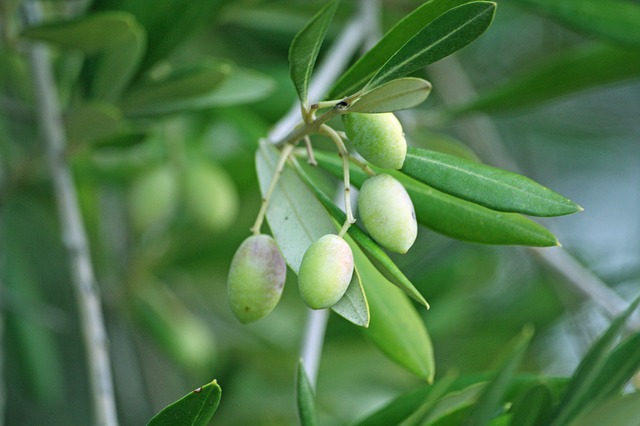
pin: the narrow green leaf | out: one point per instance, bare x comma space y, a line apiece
617, 370
589, 369
241, 86
533, 407
623, 411
170, 22
398, 409
115, 36
402, 408
489, 186
395, 95
306, 46
566, 72
93, 121
432, 400
182, 90
454, 402
362, 71
395, 327
117, 64
88, 34
305, 398
467, 221
374, 253
448, 33
127, 139
491, 396
194, 409
295, 216
615, 20
457, 218
353, 306
441, 142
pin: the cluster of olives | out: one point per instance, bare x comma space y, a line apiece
257, 274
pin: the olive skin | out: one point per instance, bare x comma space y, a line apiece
377, 137
256, 278
387, 213
325, 272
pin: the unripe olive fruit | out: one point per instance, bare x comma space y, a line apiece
210, 196
153, 197
387, 213
256, 278
325, 272
377, 137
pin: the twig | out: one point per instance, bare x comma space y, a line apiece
331, 67
329, 70
479, 130
74, 235
3, 394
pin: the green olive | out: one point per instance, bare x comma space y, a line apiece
153, 197
325, 272
377, 137
256, 278
387, 213
211, 196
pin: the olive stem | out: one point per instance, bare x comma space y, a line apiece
364, 166
334, 63
314, 338
284, 156
74, 234
344, 154
325, 104
310, 158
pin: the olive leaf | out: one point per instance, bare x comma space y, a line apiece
115, 37
621, 364
615, 20
614, 412
448, 33
491, 396
88, 34
359, 73
181, 90
305, 398
533, 407
116, 65
491, 187
353, 306
583, 379
395, 95
194, 409
306, 46
93, 121
241, 86
567, 71
168, 23
395, 327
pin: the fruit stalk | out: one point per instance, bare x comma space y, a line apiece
344, 154
284, 156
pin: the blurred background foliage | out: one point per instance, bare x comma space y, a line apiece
165, 171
